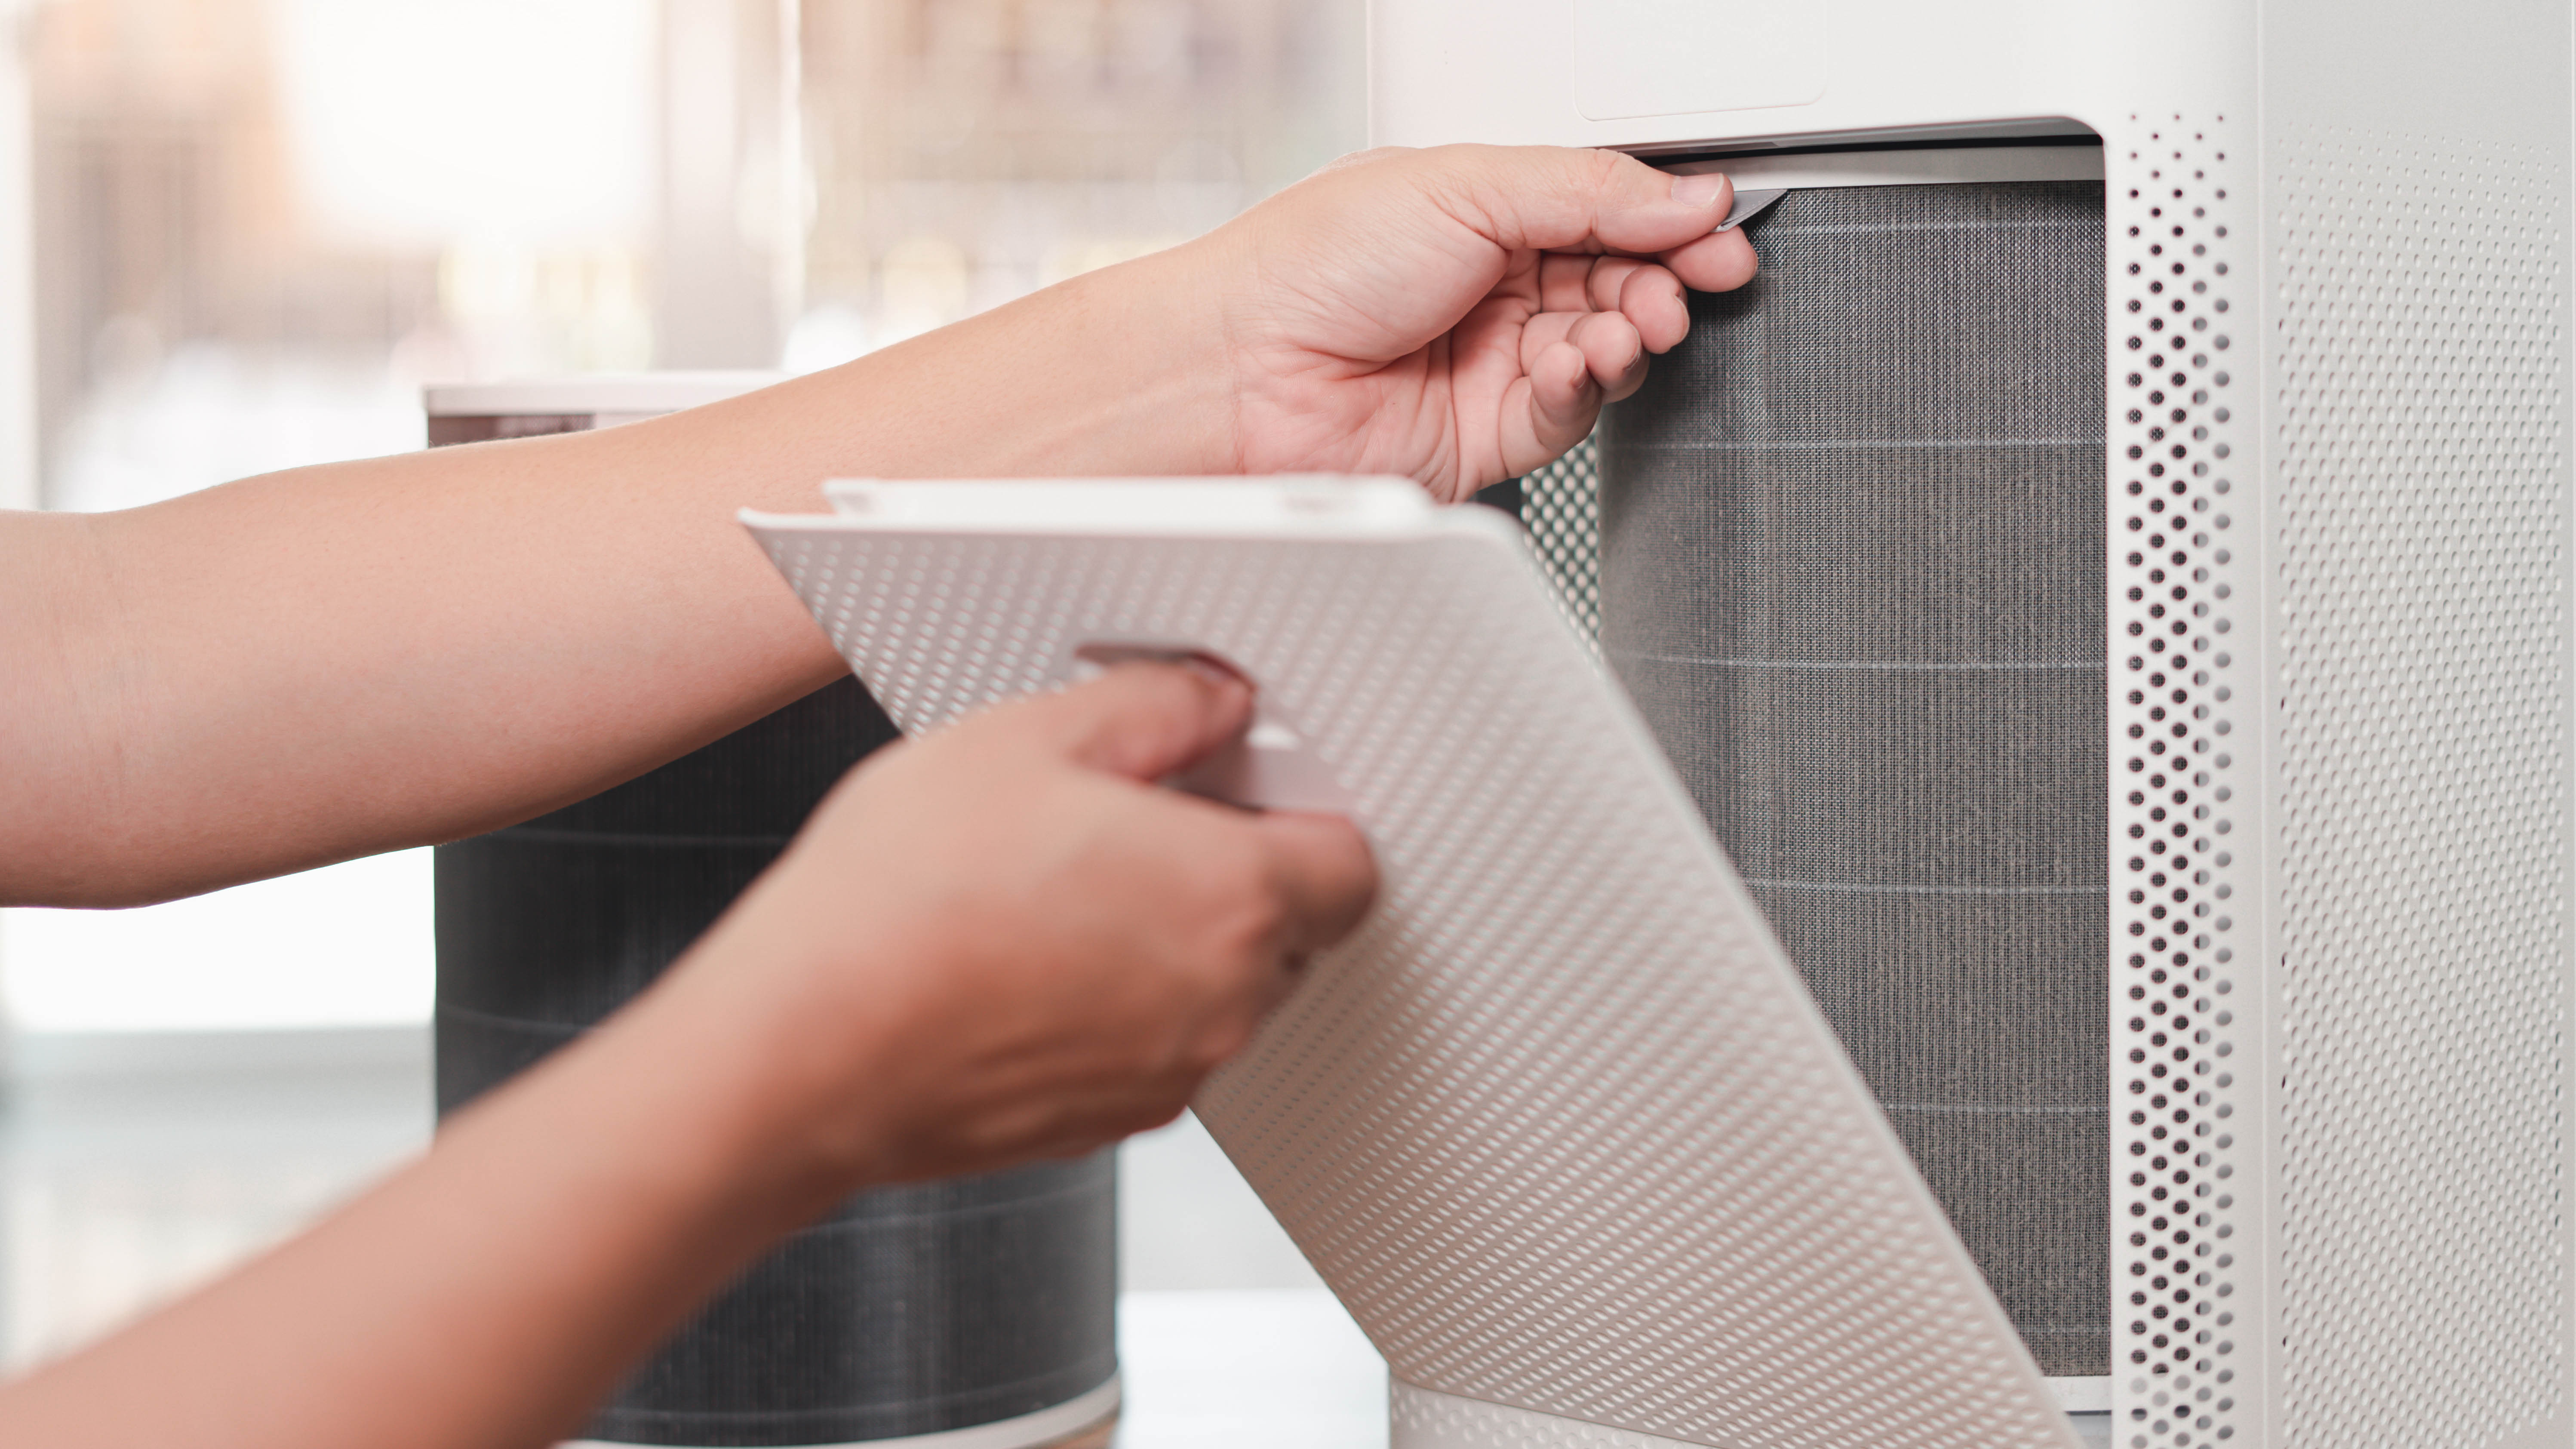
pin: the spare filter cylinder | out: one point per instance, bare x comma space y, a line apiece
983, 1304
1852, 573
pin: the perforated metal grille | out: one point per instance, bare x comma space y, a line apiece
1561, 507
2422, 877
1560, 1125
2179, 682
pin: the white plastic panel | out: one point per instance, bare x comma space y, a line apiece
1560, 1125
1515, 71
2422, 884
1673, 57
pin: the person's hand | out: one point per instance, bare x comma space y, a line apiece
1004, 941
998, 942
1457, 315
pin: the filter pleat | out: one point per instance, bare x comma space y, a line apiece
1852, 573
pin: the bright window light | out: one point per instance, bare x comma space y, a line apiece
430, 120
346, 945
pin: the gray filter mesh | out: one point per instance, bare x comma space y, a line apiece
1851, 570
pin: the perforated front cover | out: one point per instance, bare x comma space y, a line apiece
1560, 1125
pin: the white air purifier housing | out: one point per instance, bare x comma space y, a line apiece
2336, 241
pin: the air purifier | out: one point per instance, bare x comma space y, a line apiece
2106, 585
971, 1314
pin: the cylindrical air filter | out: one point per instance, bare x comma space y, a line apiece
981, 1307
1852, 573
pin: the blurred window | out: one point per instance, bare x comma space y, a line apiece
964, 152
261, 225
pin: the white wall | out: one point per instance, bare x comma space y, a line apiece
17, 266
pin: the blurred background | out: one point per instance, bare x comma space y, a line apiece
239, 235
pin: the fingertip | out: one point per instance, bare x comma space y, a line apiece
1146, 718
1327, 871
1718, 263
1695, 204
1558, 381
1656, 305
1229, 693
1737, 260
1156, 1117
1674, 326
1643, 208
1223, 697
1708, 191
1613, 349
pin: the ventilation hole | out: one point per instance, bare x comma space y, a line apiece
2170, 438
1561, 508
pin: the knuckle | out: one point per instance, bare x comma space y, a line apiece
1366, 156
1251, 927
1230, 861
1604, 167
1227, 889
1215, 1047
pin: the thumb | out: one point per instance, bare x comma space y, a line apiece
1144, 720
1551, 198
1321, 865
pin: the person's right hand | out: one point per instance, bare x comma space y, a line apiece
1003, 941
1458, 315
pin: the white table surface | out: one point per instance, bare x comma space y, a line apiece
1277, 1368
1281, 1368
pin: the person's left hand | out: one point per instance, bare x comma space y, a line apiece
1002, 940
1457, 315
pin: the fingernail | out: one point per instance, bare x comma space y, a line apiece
1700, 190
1216, 671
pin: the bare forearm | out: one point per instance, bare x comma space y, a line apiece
488, 1296
993, 944
315, 665
322, 663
